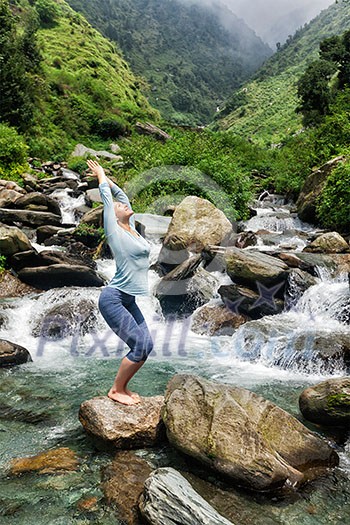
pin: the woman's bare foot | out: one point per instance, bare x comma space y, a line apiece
135, 395
122, 397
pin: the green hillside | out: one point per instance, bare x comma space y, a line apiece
263, 110
83, 85
191, 55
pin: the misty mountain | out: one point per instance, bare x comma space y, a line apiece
275, 20
264, 108
191, 54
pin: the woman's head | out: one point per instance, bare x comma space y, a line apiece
122, 211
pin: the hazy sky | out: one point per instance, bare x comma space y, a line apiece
273, 20
276, 18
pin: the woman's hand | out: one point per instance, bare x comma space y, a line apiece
97, 170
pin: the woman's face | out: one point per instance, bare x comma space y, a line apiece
122, 211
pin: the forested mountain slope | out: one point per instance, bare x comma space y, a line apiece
263, 110
192, 55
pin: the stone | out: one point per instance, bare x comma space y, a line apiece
199, 223
12, 354
25, 201
327, 403
151, 129
251, 267
168, 499
8, 197
58, 275
312, 189
122, 484
13, 240
297, 284
93, 217
81, 150
241, 435
248, 303
11, 286
185, 288
75, 315
331, 242
216, 320
57, 460
123, 426
29, 217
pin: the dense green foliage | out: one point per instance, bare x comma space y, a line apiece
314, 87
19, 67
334, 204
264, 109
192, 55
13, 154
77, 87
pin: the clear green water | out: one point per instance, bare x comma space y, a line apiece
48, 392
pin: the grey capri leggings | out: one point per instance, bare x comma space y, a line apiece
121, 313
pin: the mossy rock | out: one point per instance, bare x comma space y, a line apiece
327, 403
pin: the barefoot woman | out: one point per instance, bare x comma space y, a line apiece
117, 299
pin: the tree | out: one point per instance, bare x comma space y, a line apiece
314, 91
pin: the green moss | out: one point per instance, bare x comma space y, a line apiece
338, 404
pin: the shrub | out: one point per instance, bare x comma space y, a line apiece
112, 127
333, 208
13, 153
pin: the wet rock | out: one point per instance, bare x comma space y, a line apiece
123, 426
58, 275
32, 259
58, 460
293, 261
185, 288
38, 199
297, 284
93, 217
45, 232
122, 484
29, 217
172, 253
10, 413
12, 354
216, 320
336, 263
327, 403
251, 268
199, 223
13, 240
11, 286
312, 189
67, 318
330, 242
248, 303
168, 498
245, 239
240, 434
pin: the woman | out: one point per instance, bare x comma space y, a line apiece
117, 299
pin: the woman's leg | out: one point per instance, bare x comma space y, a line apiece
126, 320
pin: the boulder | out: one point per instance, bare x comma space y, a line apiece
297, 284
216, 320
122, 484
81, 150
199, 223
246, 302
312, 189
93, 217
38, 199
45, 232
8, 197
241, 435
331, 242
123, 426
327, 403
57, 275
73, 316
33, 258
13, 240
58, 460
12, 354
172, 253
185, 288
250, 268
150, 129
168, 499
336, 263
29, 217
11, 286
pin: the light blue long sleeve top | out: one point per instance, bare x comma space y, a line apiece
131, 254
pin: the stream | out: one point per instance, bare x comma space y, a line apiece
40, 400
